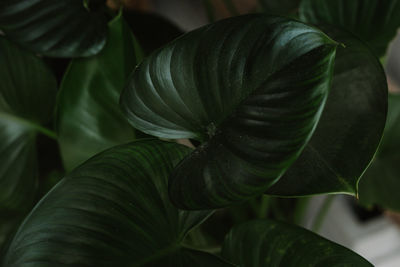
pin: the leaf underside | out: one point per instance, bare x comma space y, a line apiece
381, 181
349, 130
266, 243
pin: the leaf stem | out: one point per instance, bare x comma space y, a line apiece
319, 219
264, 206
300, 209
47, 132
35, 126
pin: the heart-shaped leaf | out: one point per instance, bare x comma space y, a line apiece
62, 28
251, 88
113, 210
349, 130
266, 243
27, 96
381, 181
375, 21
89, 119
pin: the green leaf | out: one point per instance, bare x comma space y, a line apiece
113, 210
282, 7
251, 88
374, 21
349, 130
62, 28
27, 96
381, 181
266, 243
89, 119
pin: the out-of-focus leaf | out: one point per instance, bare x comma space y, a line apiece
27, 96
381, 181
89, 119
266, 243
349, 130
62, 28
374, 21
113, 210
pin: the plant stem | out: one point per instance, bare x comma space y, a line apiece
264, 206
300, 210
231, 7
29, 124
209, 10
319, 219
47, 132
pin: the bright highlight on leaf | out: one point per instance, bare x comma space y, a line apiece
251, 88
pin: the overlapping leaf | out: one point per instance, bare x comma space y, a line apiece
27, 96
266, 243
374, 21
381, 181
349, 130
62, 28
89, 119
113, 210
251, 88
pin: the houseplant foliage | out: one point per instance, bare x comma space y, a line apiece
56, 28
274, 106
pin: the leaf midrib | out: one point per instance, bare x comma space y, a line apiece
28, 124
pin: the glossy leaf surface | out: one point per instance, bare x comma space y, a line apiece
266, 243
374, 21
349, 130
89, 119
62, 28
113, 210
27, 96
251, 88
381, 181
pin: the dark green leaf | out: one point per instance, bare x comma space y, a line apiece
375, 21
266, 243
349, 130
381, 182
281, 7
27, 96
251, 88
89, 119
62, 28
113, 210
